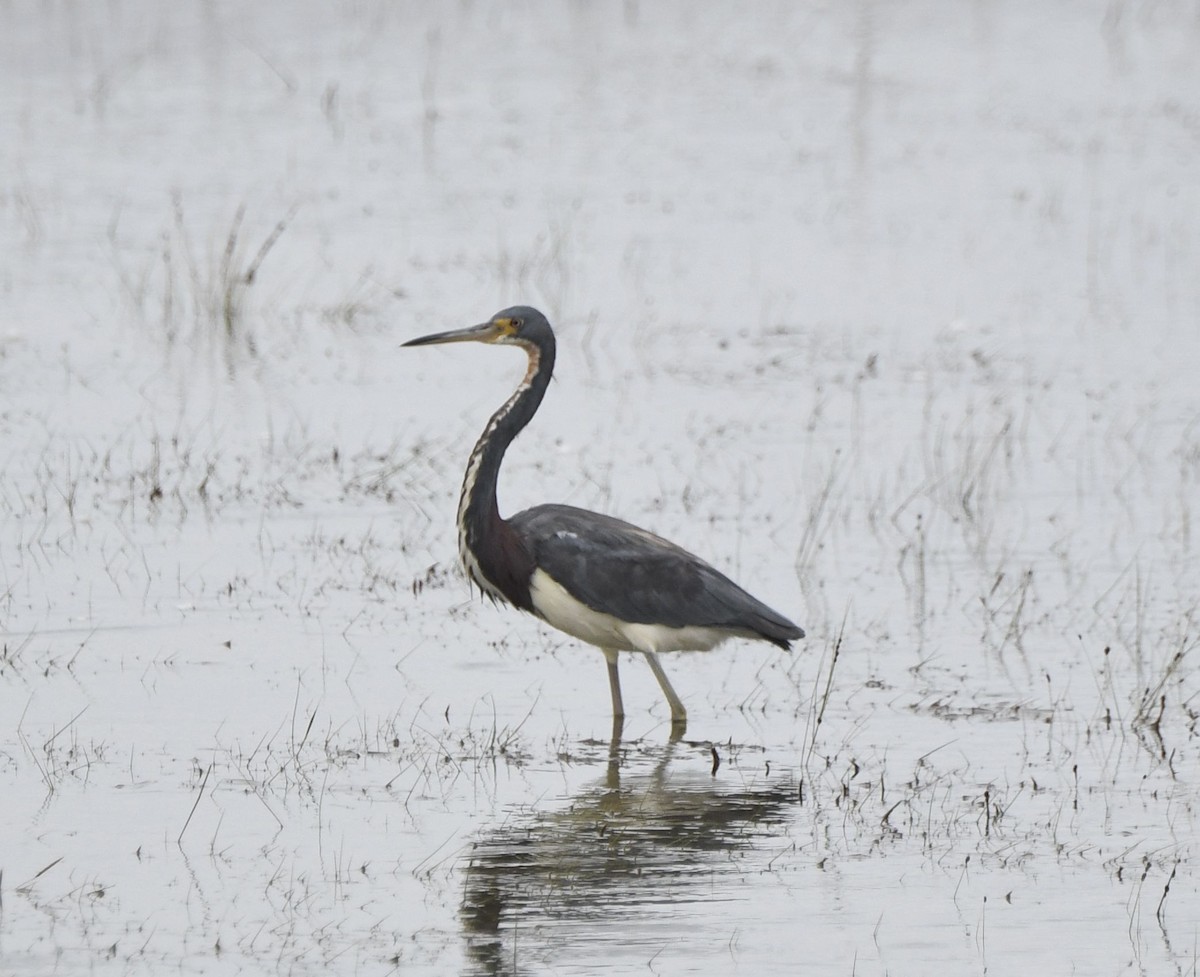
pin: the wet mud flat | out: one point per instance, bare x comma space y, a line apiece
892, 324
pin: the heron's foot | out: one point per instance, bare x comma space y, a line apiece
678, 727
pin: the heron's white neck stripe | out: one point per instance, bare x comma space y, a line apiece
465, 553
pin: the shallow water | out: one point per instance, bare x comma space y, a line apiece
889, 311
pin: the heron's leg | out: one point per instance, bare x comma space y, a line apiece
678, 712
614, 686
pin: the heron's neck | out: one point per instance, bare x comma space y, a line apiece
490, 551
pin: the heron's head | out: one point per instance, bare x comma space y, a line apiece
519, 325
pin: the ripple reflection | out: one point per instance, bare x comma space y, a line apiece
657, 846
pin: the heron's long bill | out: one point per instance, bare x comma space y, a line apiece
485, 332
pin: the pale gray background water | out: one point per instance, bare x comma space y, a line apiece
890, 310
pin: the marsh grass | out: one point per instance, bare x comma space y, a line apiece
196, 299
542, 268
908, 380
984, 707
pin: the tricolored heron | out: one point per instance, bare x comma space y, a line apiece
597, 578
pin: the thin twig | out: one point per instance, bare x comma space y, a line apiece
200, 794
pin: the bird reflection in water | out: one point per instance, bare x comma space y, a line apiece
624, 847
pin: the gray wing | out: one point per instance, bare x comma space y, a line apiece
619, 569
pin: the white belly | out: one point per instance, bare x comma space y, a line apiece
557, 607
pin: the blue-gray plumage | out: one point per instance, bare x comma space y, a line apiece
605, 581
632, 574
